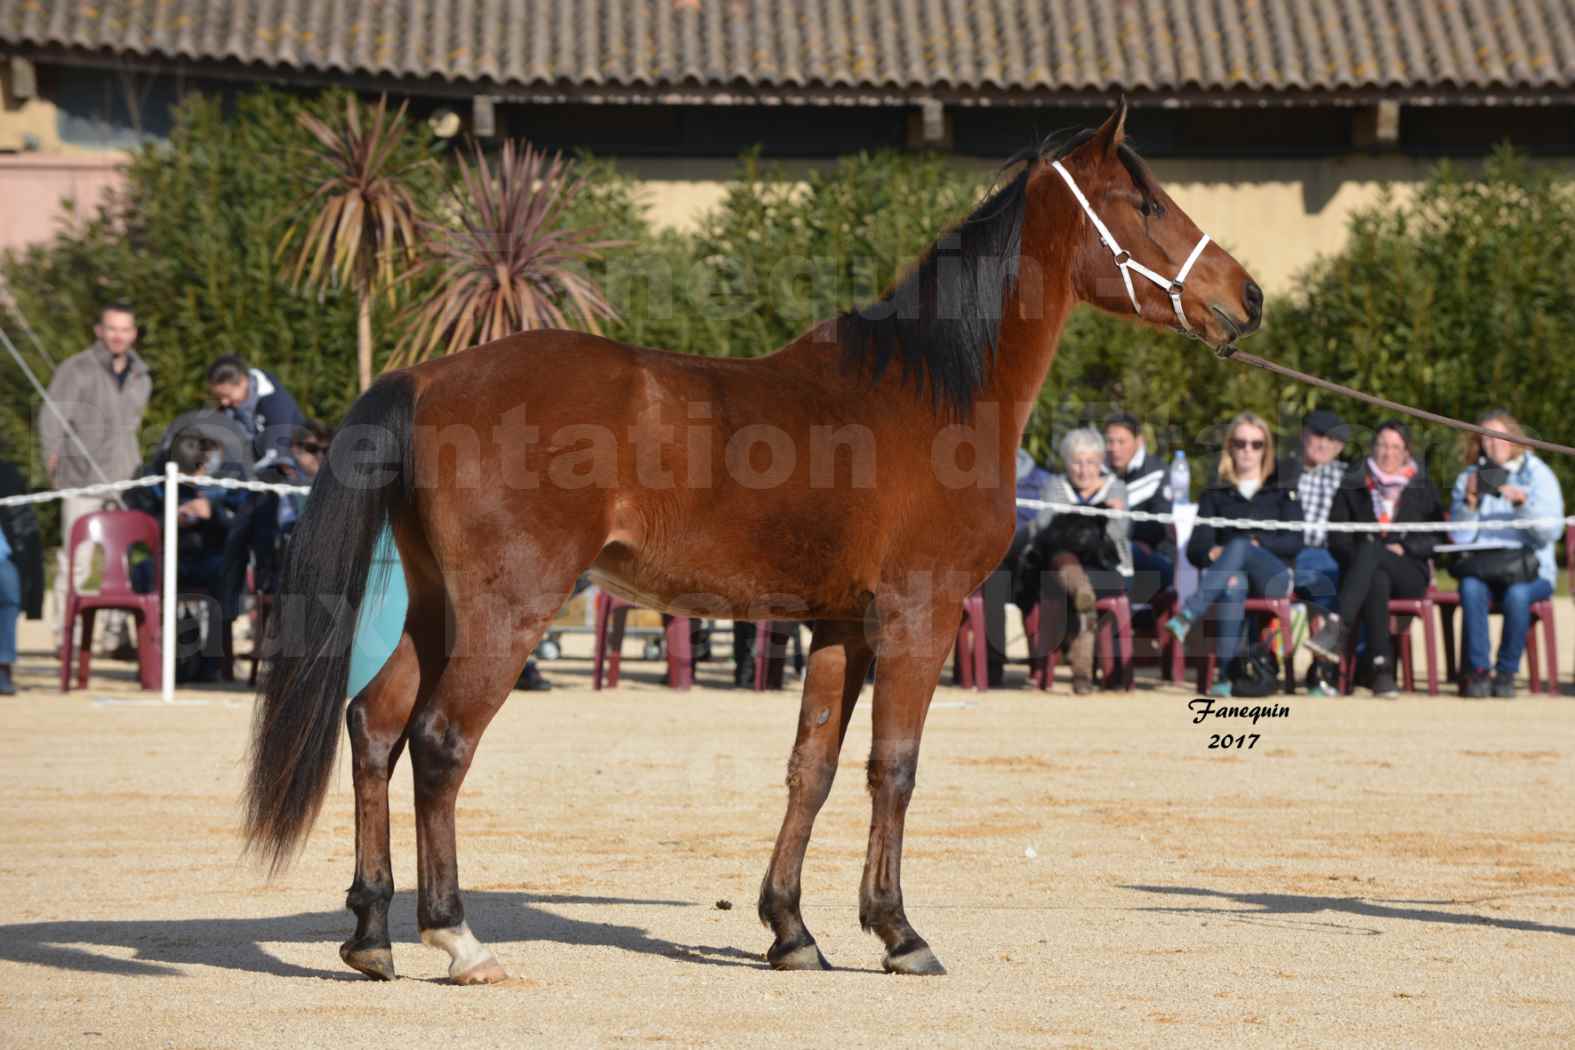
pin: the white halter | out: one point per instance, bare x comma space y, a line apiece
1127, 264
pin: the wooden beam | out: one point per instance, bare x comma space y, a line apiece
483, 117
1377, 127
22, 81
929, 126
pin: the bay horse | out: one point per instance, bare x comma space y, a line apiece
683, 484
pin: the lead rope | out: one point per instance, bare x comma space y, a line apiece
1432, 417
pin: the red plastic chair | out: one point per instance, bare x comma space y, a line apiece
1280, 609
770, 653
1541, 615
116, 531
970, 658
1401, 610
612, 613
1113, 643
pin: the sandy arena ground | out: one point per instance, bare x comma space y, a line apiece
1371, 873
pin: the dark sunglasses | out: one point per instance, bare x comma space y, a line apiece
316, 450
1256, 444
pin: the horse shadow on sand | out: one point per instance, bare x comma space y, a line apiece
158, 947
1298, 910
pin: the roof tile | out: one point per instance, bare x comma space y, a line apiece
1029, 47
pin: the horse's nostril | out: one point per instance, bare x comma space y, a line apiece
1252, 295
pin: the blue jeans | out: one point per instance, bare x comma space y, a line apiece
10, 609
1318, 576
1242, 569
1152, 570
1515, 601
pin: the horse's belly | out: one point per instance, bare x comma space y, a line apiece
721, 591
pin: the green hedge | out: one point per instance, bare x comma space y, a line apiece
1457, 300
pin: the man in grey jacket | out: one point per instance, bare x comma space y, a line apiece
102, 393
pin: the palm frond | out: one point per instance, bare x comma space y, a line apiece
361, 232
506, 263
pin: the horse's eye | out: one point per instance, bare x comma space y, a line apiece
1146, 208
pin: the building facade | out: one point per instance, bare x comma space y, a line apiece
1269, 120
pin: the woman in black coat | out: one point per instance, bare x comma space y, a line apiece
1236, 563
1378, 566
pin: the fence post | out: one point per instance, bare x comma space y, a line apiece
169, 597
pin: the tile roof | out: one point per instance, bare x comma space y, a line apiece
962, 50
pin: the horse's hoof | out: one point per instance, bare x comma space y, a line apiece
376, 963
918, 961
488, 971
804, 957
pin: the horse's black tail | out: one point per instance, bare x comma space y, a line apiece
295, 735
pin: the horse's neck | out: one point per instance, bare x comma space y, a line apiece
1030, 333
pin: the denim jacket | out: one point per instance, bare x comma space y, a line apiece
1544, 500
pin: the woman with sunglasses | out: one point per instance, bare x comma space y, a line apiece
1238, 563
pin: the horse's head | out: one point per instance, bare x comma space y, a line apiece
1149, 257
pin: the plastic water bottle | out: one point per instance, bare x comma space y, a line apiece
1180, 480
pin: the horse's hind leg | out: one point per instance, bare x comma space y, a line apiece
838, 660
376, 719
491, 637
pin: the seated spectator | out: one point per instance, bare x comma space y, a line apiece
1316, 475
1238, 563
1068, 551
1503, 482
259, 403
1375, 567
206, 520
21, 570
274, 516
1153, 554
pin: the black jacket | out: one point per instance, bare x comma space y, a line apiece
1145, 484
27, 542
1272, 502
1419, 501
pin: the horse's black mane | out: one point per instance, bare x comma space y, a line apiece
941, 323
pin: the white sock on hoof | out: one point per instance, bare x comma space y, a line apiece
462, 947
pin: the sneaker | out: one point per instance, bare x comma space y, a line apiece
1179, 625
1082, 684
7, 687
1318, 689
1477, 685
1504, 685
1323, 680
1384, 687
1221, 689
1328, 641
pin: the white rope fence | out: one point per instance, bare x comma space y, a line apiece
1257, 524
173, 478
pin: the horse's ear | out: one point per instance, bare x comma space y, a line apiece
1113, 130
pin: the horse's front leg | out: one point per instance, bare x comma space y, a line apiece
915, 637
839, 658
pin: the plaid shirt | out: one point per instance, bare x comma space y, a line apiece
1316, 489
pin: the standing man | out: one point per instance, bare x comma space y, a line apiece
1316, 475
259, 403
102, 393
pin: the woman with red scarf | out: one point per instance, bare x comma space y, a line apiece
1378, 566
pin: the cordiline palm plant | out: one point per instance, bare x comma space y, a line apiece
507, 261
360, 217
